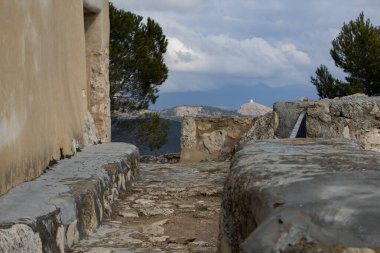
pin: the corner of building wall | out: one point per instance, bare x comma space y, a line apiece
97, 30
90, 135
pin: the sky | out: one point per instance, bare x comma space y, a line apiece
224, 52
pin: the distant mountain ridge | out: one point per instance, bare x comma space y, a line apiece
250, 109
123, 124
205, 111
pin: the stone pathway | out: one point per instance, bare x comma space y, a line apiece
172, 208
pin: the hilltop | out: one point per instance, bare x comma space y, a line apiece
209, 111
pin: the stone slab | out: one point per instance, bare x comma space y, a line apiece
68, 201
211, 138
356, 117
284, 194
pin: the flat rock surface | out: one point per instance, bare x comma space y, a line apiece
172, 208
57, 187
302, 195
56, 210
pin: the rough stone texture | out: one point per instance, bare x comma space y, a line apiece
253, 109
44, 92
67, 202
174, 208
305, 247
166, 158
90, 136
286, 195
20, 238
189, 133
97, 47
183, 111
261, 130
211, 139
356, 116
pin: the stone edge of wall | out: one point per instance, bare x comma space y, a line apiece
194, 129
354, 116
92, 197
243, 213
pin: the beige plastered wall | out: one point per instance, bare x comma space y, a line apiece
43, 85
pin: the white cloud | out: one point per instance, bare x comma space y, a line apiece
222, 54
297, 56
287, 47
184, 82
178, 85
275, 42
181, 57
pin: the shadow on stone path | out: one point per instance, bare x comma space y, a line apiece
171, 208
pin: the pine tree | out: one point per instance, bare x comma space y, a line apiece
357, 51
327, 86
137, 65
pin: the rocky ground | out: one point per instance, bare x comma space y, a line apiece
171, 208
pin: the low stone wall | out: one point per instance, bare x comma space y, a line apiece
262, 129
68, 202
211, 139
356, 117
301, 195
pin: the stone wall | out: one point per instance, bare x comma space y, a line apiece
301, 195
211, 139
44, 90
356, 117
262, 129
96, 22
68, 202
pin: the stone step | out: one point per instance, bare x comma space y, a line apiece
56, 210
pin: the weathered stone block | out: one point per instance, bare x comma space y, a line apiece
284, 194
211, 139
262, 129
355, 117
20, 238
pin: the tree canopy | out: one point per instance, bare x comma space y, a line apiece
327, 86
146, 130
356, 50
137, 67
